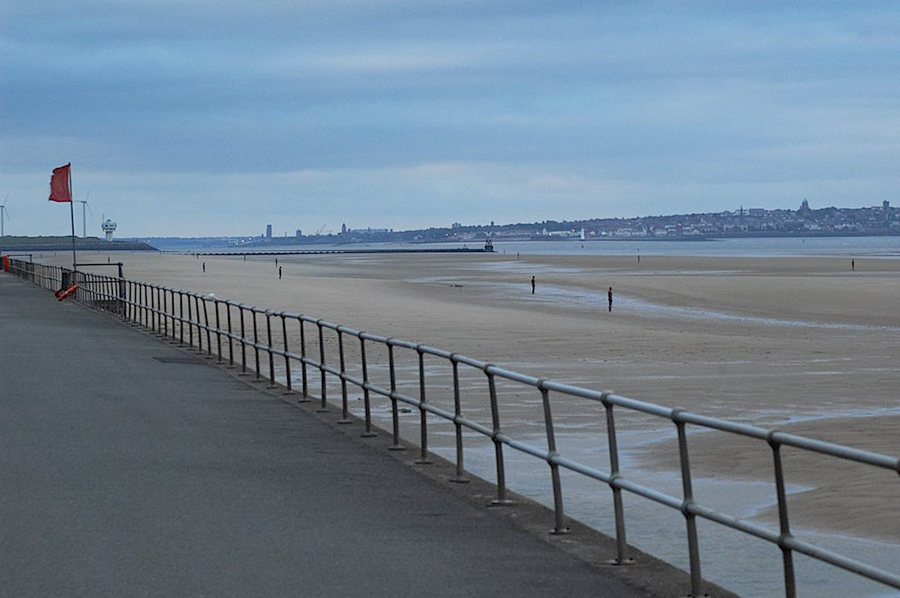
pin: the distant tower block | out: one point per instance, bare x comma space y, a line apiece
268, 231
109, 227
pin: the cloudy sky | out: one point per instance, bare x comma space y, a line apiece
218, 117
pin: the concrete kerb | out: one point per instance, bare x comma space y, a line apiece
646, 574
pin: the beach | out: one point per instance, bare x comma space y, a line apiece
803, 344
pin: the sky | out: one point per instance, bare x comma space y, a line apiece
210, 118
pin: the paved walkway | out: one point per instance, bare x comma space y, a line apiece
126, 473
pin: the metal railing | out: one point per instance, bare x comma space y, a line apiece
229, 331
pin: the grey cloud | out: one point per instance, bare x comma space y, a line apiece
657, 93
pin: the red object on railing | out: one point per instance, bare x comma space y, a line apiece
61, 294
6, 263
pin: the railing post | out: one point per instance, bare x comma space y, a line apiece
190, 322
243, 342
560, 526
181, 318
459, 478
175, 316
501, 500
206, 326
152, 288
787, 555
690, 518
395, 411
255, 344
165, 312
121, 288
345, 407
287, 359
269, 349
144, 313
368, 433
304, 397
423, 414
169, 304
230, 336
622, 557
197, 301
141, 298
323, 407
138, 307
151, 316
218, 332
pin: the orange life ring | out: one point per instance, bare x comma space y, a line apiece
61, 294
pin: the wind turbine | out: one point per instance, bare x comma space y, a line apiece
3, 212
84, 204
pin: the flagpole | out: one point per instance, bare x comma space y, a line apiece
72, 213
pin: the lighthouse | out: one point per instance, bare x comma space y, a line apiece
109, 227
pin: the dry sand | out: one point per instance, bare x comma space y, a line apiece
761, 340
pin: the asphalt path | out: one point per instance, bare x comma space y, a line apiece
128, 468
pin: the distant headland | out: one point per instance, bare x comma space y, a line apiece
21, 244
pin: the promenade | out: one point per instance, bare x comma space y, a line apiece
131, 468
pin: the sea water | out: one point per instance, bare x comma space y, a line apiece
849, 247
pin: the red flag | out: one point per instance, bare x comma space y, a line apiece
59, 184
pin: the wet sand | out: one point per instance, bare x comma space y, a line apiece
801, 344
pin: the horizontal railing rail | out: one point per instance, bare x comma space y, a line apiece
232, 333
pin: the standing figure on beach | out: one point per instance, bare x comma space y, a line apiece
853, 265
609, 298
532, 285
204, 266
279, 272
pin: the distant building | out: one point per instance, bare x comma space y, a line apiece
344, 229
109, 227
299, 233
268, 231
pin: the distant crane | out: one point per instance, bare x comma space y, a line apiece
321, 228
84, 204
3, 212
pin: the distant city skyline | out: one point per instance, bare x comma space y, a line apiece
801, 220
183, 121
